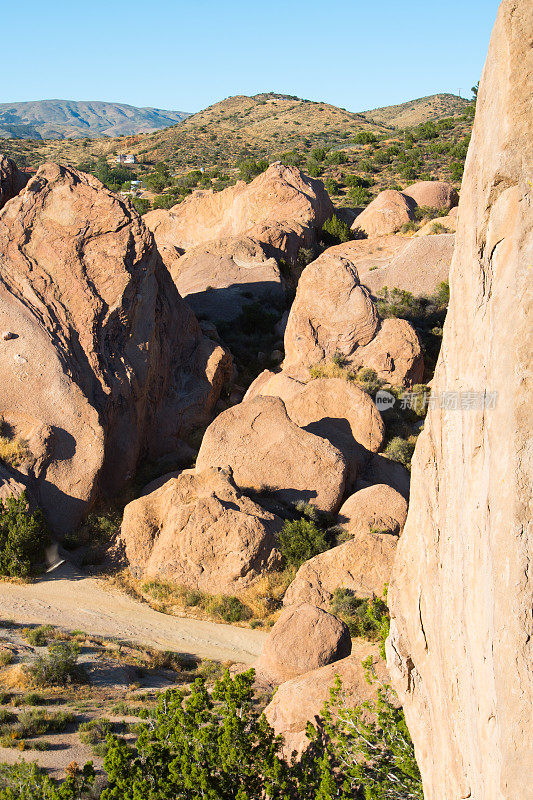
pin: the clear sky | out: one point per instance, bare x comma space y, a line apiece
357, 54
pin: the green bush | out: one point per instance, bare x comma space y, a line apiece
364, 617
141, 205
38, 637
228, 608
23, 537
94, 733
401, 450
359, 195
365, 137
58, 667
24, 781
300, 540
335, 231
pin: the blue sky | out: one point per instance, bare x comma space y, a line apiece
186, 55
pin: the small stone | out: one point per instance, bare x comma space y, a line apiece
7, 335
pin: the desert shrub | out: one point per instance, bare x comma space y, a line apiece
23, 781
359, 195
300, 540
337, 157
314, 168
318, 154
438, 227
33, 699
366, 617
249, 168
94, 733
58, 666
13, 449
409, 227
401, 450
332, 186
39, 722
38, 637
218, 741
365, 751
141, 205
166, 200
6, 657
368, 380
23, 536
365, 137
335, 231
228, 608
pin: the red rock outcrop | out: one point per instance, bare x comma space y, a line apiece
461, 635
106, 362
333, 314
282, 208
386, 214
12, 180
198, 530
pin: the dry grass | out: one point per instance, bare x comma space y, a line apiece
13, 451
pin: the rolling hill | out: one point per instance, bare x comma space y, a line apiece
415, 112
64, 119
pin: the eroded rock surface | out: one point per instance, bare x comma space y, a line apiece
268, 453
12, 180
461, 637
106, 363
199, 531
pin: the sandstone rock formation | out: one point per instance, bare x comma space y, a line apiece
334, 315
300, 700
281, 208
418, 268
363, 565
331, 408
385, 214
433, 194
375, 508
460, 645
106, 362
12, 180
218, 277
303, 639
382, 470
268, 453
198, 530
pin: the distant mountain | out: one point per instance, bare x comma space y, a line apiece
414, 112
64, 119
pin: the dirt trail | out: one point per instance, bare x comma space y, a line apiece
69, 599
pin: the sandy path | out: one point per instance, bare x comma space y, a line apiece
69, 599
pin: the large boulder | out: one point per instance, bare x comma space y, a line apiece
12, 180
268, 453
331, 408
301, 699
374, 508
381, 470
395, 354
385, 214
433, 194
281, 208
460, 648
104, 361
304, 638
418, 268
331, 313
199, 531
219, 278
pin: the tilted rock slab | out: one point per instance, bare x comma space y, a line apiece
199, 531
107, 363
267, 452
460, 649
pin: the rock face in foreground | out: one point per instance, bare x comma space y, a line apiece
197, 530
105, 363
303, 639
460, 650
268, 453
12, 180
